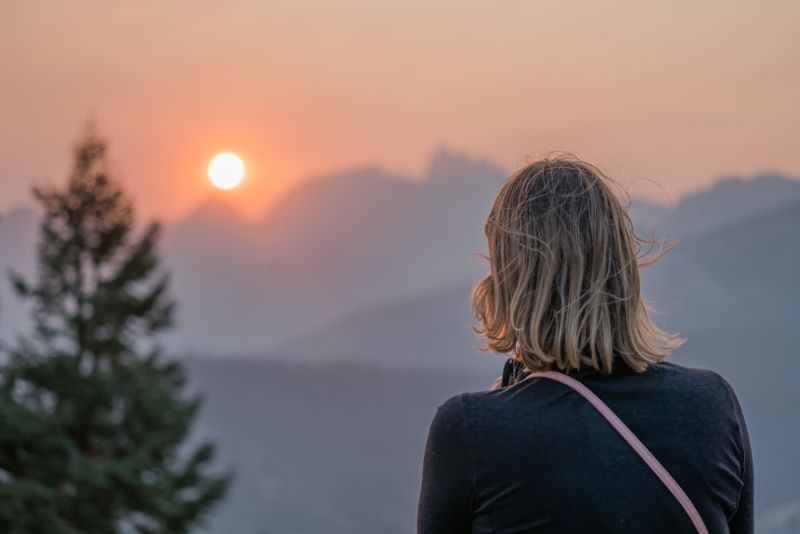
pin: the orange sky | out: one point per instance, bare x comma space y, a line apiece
678, 93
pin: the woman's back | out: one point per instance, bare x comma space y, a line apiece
537, 457
563, 294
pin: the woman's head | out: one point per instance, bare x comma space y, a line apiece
563, 288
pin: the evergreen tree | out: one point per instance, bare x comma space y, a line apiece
94, 420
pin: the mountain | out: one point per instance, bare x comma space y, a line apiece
320, 448
362, 238
738, 276
334, 244
425, 333
219, 273
732, 291
354, 240
782, 519
354, 294
731, 199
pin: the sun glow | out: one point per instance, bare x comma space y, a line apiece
226, 170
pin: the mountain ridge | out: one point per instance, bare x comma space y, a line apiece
355, 238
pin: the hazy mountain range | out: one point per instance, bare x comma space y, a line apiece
352, 298
334, 244
351, 241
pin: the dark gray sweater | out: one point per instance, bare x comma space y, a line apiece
537, 457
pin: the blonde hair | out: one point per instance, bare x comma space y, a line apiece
563, 288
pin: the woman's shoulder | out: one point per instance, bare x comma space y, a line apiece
692, 380
684, 384
692, 401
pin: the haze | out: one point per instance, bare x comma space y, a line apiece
301, 88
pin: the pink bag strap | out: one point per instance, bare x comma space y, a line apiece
634, 442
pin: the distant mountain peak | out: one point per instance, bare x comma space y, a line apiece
732, 198
448, 164
732, 183
213, 209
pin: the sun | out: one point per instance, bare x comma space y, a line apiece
226, 170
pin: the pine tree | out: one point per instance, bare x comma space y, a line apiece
94, 420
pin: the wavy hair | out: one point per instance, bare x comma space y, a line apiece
563, 288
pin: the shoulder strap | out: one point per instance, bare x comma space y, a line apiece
634, 442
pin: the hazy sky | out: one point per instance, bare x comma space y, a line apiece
677, 93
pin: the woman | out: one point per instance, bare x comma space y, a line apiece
534, 455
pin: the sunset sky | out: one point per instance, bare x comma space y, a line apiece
677, 93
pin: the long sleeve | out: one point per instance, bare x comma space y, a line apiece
742, 521
445, 502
